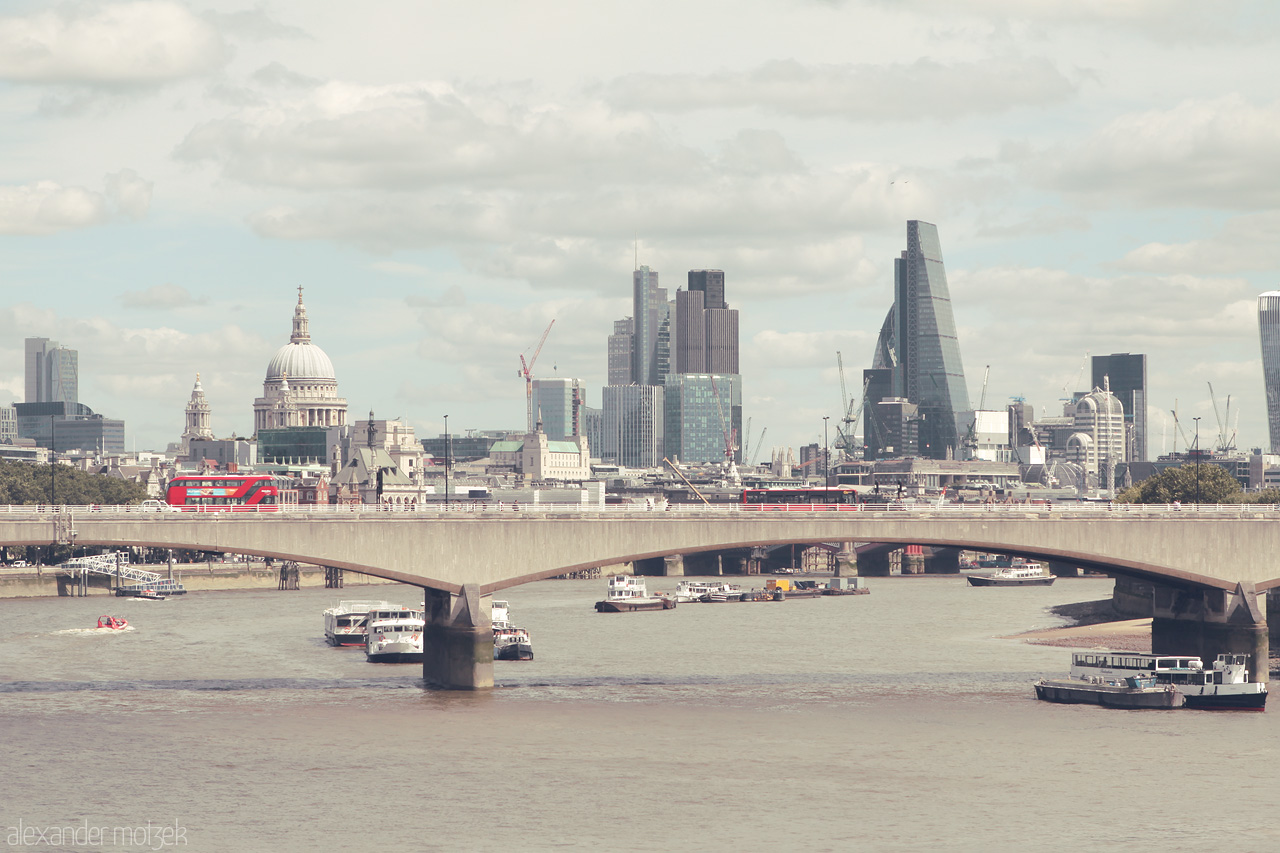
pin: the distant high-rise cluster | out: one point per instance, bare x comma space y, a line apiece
53, 415
916, 393
674, 387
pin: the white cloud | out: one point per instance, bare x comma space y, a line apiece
1221, 153
46, 207
113, 44
923, 89
1244, 243
129, 193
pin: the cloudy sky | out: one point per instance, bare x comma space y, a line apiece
444, 179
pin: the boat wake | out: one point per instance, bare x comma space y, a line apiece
95, 630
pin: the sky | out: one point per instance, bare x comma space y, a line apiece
445, 179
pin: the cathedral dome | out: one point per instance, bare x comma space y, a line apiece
300, 361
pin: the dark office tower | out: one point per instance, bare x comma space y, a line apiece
711, 284
706, 335
1269, 326
620, 345
918, 342
878, 385
1128, 376
649, 311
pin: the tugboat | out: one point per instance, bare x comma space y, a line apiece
627, 594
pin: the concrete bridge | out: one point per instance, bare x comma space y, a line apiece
1209, 564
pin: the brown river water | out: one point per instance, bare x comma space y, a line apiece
897, 720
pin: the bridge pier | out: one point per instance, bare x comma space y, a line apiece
874, 565
913, 560
457, 642
673, 566
846, 562
1210, 622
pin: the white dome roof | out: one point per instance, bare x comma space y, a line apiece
300, 361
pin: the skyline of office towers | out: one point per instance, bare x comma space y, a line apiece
1269, 329
52, 373
702, 414
919, 346
706, 328
1127, 374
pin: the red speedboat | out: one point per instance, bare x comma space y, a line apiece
113, 623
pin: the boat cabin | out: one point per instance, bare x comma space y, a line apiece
625, 587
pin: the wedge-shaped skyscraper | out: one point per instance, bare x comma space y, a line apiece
919, 346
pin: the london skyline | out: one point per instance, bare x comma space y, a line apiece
447, 182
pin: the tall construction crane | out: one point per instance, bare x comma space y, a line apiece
526, 370
730, 436
1226, 442
759, 442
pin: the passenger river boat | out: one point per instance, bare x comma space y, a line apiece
627, 594
394, 636
1019, 573
344, 625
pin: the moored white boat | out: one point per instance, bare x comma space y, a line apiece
1020, 573
509, 642
397, 639
627, 594
344, 624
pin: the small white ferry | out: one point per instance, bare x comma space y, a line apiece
1019, 573
344, 625
1225, 686
627, 594
395, 639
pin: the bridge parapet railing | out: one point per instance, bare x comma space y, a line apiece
491, 510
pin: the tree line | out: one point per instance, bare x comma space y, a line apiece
24, 484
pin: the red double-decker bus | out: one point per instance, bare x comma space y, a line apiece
801, 497
231, 492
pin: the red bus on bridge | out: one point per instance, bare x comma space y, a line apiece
231, 493
809, 498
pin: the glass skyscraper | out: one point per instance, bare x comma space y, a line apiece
1269, 326
918, 343
702, 412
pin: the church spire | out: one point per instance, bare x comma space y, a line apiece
300, 334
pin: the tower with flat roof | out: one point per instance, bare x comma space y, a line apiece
1269, 327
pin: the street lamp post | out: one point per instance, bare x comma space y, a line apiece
53, 461
1195, 456
446, 461
826, 453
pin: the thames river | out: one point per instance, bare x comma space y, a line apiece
898, 720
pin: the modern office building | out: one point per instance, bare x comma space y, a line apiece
702, 414
1127, 375
1269, 326
52, 372
650, 313
919, 345
633, 425
557, 405
621, 343
705, 339
1097, 441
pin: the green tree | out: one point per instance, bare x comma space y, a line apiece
1211, 483
25, 484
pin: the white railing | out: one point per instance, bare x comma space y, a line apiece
492, 510
107, 564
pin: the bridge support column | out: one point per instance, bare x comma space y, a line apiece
673, 566
847, 563
913, 560
1211, 622
458, 639
942, 561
